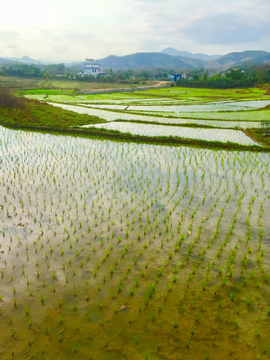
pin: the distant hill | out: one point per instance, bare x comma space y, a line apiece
177, 62
4, 61
238, 58
24, 60
148, 60
174, 52
169, 58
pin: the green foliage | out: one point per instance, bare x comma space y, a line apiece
21, 70
39, 115
232, 78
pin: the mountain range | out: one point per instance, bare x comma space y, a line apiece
174, 52
24, 60
239, 58
149, 60
168, 58
171, 58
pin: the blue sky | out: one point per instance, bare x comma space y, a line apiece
68, 30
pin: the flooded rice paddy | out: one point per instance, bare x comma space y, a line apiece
115, 250
212, 107
112, 116
220, 135
248, 118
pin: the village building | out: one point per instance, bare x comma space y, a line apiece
91, 68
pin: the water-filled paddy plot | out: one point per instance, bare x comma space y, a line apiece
112, 116
246, 111
220, 135
223, 114
147, 252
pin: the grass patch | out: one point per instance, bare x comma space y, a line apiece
261, 136
38, 115
19, 83
47, 92
206, 94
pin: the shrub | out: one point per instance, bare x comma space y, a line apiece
10, 101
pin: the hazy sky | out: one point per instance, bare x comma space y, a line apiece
71, 30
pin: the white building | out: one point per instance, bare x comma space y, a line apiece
91, 69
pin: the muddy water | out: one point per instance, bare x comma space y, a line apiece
178, 236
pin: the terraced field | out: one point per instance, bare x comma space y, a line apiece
224, 109
115, 115
112, 250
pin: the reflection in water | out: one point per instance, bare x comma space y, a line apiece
177, 235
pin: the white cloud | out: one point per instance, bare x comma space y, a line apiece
65, 30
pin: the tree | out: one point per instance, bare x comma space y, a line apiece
46, 75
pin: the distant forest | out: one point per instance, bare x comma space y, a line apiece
232, 78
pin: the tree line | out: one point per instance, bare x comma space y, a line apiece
73, 73
232, 78
24, 70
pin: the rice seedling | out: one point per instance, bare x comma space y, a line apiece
131, 290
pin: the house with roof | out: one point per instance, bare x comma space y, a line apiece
91, 68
